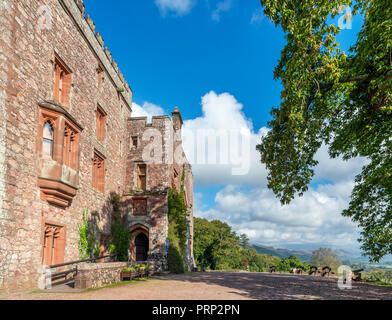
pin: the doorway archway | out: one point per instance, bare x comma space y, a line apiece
141, 245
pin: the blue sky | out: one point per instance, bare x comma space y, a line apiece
176, 52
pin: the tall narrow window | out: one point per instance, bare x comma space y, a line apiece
54, 245
99, 173
62, 82
141, 177
134, 143
101, 77
47, 143
69, 148
101, 123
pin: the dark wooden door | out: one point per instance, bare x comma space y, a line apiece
141, 243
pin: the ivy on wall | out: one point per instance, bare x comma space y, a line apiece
88, 244
178, 228
120, 237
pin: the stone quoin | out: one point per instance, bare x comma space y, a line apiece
68, 142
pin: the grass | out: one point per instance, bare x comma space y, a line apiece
379, 283
118, 284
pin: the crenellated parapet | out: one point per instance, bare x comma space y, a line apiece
76, 9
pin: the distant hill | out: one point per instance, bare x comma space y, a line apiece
283, 253
304, 255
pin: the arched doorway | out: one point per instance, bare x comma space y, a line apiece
141, 244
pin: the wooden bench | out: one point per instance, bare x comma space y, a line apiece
314, 271
327, 272
300, 270
274, 269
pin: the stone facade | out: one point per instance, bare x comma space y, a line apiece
55, 75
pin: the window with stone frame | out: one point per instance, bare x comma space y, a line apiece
142, 177
70, 150
100, 123
99, 172
62, 82
53, 245
134, 142
47, 140
139, 206
58, 137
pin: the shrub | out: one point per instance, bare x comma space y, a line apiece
175, 258
120, 241
87, 244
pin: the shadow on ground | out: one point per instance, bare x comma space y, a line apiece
264, 286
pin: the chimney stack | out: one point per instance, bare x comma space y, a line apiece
177, 119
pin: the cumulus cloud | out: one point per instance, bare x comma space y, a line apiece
248, 205
147, 110
222, 142
313, 219
245, 202
221, 7
222, 113
178, 7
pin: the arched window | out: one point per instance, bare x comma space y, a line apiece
47, 143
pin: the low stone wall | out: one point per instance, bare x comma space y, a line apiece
95, 275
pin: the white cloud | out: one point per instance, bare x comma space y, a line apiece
178, 7
222, 113
246, 203
222, 6
257, 17
313, 219
147, 110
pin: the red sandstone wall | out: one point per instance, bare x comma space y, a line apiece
27, 79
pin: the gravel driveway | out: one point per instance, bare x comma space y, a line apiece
220, 286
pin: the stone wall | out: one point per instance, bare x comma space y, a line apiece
34, 34
27, 71
96, 275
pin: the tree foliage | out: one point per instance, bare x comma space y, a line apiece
290, 263
341, 100
325, 257
218, 247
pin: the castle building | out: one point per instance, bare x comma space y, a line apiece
68, 142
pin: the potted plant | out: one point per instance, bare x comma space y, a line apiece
129, 272
143, 270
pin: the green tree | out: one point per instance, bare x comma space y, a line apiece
325, 257
289, 263
120, 237
341, 100
175, 256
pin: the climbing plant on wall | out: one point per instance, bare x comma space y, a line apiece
120, 237
178, 228
88, 244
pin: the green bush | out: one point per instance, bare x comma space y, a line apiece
120, 241
175, 258
87, 244
380, 276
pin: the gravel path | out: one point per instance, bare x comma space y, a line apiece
221, 286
